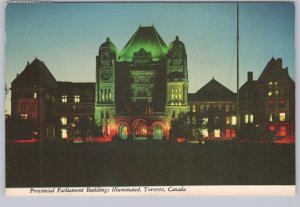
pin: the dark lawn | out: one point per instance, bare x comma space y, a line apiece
111, 164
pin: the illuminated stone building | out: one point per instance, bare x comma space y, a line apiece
271, 101
33, 98
217, 107
140, 88
74, 108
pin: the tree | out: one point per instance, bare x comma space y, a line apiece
188, 125
17, 128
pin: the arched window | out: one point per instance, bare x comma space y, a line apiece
270, 88
64, 120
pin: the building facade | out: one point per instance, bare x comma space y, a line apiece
139, 91
140, 88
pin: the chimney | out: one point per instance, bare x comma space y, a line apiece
279, 62
250, 76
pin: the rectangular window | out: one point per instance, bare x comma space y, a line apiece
24, 116
271, 128
246, 118
227, 108
76, 98
233, 133
233, 108
217, 133
227, 133
201, 107
220, 107
270, 117
193, 108
282, 103
35, 95
251, 118
205, 133
271, 103
283, 131
64, 133
205, 120
227, 119
63, 120
233, 120
64, 98
207, 107
282, 116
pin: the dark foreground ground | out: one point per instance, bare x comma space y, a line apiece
111, 164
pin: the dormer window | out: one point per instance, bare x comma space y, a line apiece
64, 98
76, 98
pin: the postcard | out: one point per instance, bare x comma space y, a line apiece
145, 98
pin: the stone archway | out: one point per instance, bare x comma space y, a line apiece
123, 129
158, 132
140, 129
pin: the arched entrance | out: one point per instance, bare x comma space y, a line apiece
158, 133
140, 131
123, 129
123, 132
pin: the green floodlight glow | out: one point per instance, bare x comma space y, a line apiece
148, 39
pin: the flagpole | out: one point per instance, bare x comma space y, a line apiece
237, 73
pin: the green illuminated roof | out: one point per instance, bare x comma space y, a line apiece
148, 39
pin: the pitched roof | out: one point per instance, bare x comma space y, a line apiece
213, 91
148, 39
35, 74
274, 71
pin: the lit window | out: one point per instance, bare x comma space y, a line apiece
272, 128
35, 95
276, 90
227, 108
220, 107
205, 133
172, 96
270, 117
227, 133
282, 103
251, 118
217, 133
64, 133
201, 107
281, 116
179, 103
233, 133
283, 131
64, 98
227, 119
24, 116
207, 107
76, 98
76, 119
205, 120
270, 89
172, 103
193, 108
233, 120
233, 107
179, 97
246, 118
63, 120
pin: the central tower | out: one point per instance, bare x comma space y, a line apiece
141, 88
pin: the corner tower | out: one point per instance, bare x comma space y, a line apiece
105, 86
177, 80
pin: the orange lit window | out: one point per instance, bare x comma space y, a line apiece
272, 128
227, 133
283, 131
233, 133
